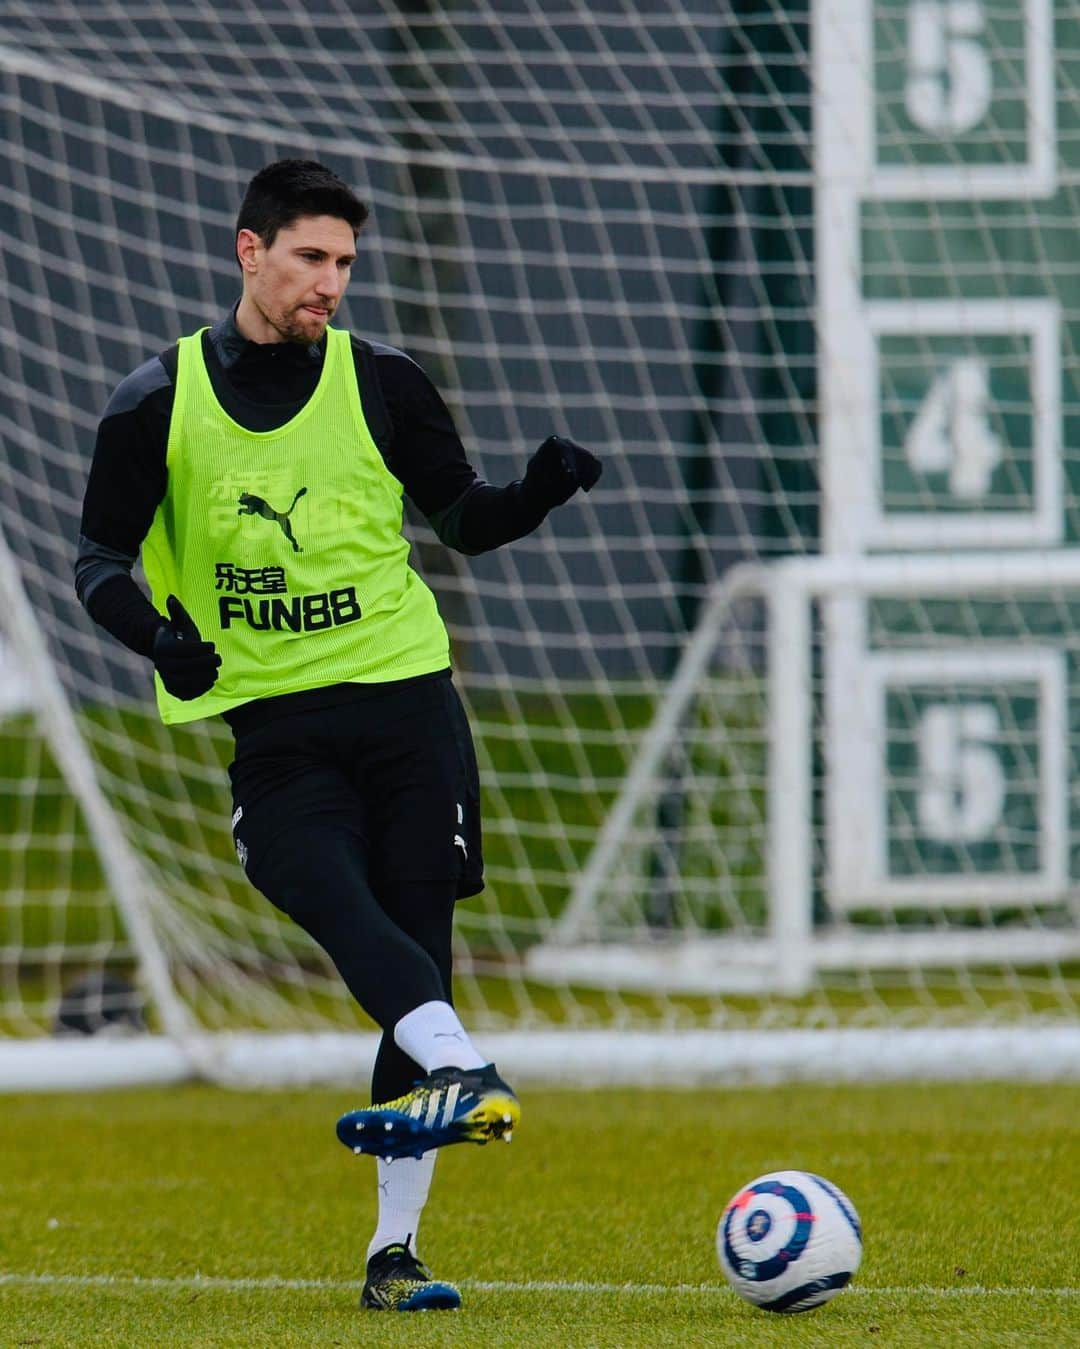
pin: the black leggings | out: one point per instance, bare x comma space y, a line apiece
360, 820
393, 952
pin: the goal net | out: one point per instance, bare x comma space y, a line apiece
777, 726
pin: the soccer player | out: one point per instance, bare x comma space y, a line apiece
259, 465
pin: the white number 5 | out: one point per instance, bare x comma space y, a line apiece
961, 776
949, 80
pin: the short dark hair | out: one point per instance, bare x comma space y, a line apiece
289, 189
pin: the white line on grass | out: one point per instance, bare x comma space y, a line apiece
485, 1286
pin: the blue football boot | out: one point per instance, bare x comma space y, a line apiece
398, 1282
450, 1105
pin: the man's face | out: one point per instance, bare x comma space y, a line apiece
294, 286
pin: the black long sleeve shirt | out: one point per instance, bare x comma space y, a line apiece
262, 386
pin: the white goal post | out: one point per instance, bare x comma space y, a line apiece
791, 948
786, 956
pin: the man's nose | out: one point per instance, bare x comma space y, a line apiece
329, 283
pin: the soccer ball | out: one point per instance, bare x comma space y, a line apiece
789, 1241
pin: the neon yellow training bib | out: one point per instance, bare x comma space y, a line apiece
285, 546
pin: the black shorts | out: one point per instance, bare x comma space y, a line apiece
394, 765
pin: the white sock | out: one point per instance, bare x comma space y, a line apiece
403, 1190
433, 1037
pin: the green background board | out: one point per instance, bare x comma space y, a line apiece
964, 624
997, 242
908, 368
915, 848
999, 137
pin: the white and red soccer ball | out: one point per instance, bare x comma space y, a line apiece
789, 1241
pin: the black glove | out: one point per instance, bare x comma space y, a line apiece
187, 665
557, 469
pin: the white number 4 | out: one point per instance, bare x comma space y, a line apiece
952, 433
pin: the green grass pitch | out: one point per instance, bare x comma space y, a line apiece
200, 1217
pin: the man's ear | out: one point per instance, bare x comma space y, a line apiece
248, 247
